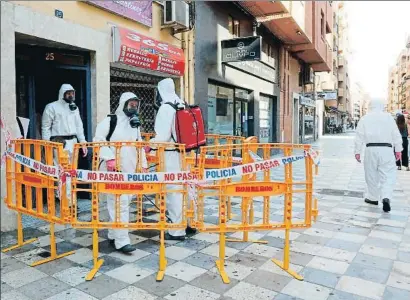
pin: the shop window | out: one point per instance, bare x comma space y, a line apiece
270, 52
220, 110
265, 118
309, 122
234, 26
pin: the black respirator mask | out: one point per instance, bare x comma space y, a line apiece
132, 113
70, 100
157, 100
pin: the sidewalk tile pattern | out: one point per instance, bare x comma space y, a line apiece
353, 251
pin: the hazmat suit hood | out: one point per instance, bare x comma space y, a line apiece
64, 88
376, 105
166, 89
124, 98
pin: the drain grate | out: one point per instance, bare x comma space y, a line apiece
345, 193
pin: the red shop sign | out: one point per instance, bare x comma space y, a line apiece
140, 51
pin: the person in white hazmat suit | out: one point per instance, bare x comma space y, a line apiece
126, 129
378, 132
165, 133
61, 121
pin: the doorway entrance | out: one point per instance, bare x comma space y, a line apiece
241, 117
40, 72
38, 82
267, 119
241, 112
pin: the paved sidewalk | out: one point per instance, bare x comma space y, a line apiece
354, 251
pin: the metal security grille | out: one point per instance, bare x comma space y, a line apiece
141, 85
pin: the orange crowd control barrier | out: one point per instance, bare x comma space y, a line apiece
130, 181
256, 178
33, 169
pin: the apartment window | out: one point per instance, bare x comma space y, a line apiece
233, 26
322, 24
270, 52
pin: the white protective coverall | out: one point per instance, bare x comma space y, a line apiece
378, 126
59, 120
164, 126
128, 156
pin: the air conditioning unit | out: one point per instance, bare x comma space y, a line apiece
176, 15
307, 75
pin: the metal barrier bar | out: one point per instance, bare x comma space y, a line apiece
10, 177
25, 173
288, 217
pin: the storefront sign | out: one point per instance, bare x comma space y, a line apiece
327, 95
307, 101
134, 49
256, 68
241, 49
140, 11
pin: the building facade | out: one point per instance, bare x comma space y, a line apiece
302, 27
102, 48
399, 82
236, 97
393, 103
345, 105
334, 87
358, 97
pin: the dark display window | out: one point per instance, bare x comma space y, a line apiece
309, 123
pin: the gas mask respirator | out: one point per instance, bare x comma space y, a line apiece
132, 113
70, 100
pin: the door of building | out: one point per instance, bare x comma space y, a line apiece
241, 112
40, 72
267, 119
241, 117
38, 81
301, 123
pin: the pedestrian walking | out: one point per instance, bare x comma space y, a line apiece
404, 131
379, 133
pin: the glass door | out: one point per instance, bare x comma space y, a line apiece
238, 118
241, 112
265, 118
244, 118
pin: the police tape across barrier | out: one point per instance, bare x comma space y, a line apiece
211, 161
157, 177
190, 184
